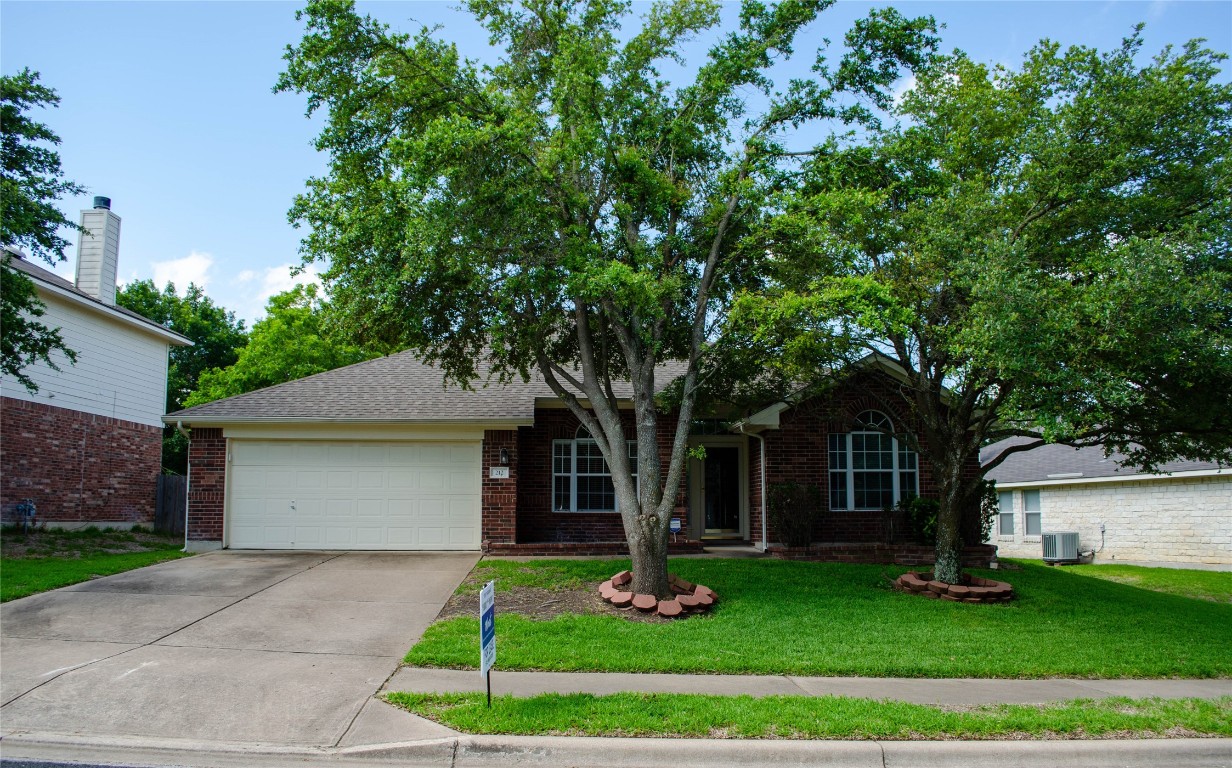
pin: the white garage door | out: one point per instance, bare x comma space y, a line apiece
286, 494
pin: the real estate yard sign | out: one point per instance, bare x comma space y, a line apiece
487, 633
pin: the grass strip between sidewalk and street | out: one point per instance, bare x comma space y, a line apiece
43, 560
804, 717
790, 618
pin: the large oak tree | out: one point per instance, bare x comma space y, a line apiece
1043, 251
566, 210
31, 182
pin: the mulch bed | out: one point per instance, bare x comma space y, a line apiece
541, 604
39, 542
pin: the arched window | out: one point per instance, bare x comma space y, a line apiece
869, 467
581, 478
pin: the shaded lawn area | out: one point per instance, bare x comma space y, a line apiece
1202, 585
776, 617
48, 559
803, 717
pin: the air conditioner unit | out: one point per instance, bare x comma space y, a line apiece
1061, 547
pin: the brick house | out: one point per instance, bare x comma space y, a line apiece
383, 455
86, 447
1180, 514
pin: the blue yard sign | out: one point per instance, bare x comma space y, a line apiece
487, 633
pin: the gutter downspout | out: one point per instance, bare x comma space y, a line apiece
179, 427
761, 455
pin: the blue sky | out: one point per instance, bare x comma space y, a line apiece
166, 107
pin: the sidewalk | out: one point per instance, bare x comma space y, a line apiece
914, 690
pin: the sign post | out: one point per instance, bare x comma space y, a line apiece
487, 634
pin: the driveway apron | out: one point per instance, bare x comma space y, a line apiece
256, 647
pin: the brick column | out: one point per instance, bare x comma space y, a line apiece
500, 495
207, 474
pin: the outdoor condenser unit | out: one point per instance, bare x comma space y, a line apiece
1061, 547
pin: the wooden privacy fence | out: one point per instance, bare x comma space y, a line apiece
170, 504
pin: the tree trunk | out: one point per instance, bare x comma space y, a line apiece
648, 551
948, 567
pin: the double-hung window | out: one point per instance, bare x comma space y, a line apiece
1005, 514
581, 478
1031, 513
869, 467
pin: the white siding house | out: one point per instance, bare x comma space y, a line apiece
85, 447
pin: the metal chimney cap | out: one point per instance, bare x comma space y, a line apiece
102, 202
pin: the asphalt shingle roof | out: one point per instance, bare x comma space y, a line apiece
399, 388
1038, 464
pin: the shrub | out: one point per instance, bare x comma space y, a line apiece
921, 516
792, 509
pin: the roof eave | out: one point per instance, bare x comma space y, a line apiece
148, 326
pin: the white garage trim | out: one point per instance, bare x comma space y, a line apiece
353, 494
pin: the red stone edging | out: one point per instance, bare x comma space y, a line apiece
689, 597
973, 589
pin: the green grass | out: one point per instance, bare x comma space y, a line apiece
777, 617
1202, 585
802, 717
43, 560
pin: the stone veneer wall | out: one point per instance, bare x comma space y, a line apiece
1171, 519
77, 467
799, 452
536, 520
207, 462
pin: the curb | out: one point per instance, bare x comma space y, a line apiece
559, 752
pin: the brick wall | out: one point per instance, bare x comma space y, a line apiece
799, 452
536, 520
1176, 519
207, 462
77, 466
500, 496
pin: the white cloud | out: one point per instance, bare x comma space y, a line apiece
261, 284
908, 83
193, 268
1157, 9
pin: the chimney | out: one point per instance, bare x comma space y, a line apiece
98, 250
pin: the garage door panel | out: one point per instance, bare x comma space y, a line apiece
353, 495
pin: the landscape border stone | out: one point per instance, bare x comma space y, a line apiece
687, 597
973, 589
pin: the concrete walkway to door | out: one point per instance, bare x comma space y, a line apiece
276, 648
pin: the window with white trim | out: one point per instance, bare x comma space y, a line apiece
581, 478
1005, 516
869, 467
1031, 513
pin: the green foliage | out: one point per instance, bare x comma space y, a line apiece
921, 515
697, 716
793, 509
216, 335
566, 210
31, 182
1048, 243
295, 339
775, 617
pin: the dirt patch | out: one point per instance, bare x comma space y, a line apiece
14, 544
542, 604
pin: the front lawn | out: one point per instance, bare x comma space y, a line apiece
802, 717
48, 559
1203, 585
777, 617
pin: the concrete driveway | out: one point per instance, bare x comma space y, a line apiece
242, 647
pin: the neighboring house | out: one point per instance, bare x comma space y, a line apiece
86, 448
1182, 514
382, 455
